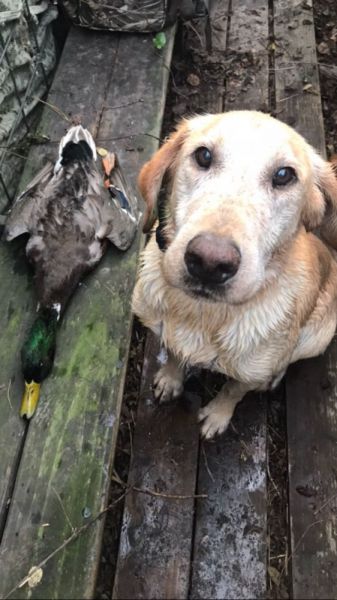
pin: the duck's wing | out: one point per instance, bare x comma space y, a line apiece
122, 204
121, 222
23, 214
119, 214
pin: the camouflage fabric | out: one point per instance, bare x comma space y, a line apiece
28, 56
118, 15
131, 15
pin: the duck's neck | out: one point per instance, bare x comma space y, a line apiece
37, 355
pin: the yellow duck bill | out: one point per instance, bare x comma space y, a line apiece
30, 399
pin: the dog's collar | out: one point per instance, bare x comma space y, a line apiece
161, 239
160, 235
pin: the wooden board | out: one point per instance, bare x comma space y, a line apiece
229, 558
297, 91
312, 452
156, 538
16, 293
231, 524
310, 385
63, 477
247, 51
16, 304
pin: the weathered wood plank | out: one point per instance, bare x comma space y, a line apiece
230, 540
231, 524
16, 297
16, 304
134, 105
310, 385
312, 451
247, 81
64, 472
156, 538
297, 91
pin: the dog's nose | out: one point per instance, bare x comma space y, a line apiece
212, 259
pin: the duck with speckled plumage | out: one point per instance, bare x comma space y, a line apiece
70, 211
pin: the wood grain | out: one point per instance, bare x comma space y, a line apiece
156, 538
230, 527
310, 385
16, 291
64, 472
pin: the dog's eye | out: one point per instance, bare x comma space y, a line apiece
283, 176
203, 156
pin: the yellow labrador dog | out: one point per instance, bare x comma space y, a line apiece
233, 280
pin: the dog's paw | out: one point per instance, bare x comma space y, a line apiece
167, 384
215, 418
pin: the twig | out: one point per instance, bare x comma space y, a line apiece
106, 106
8, 394
272, 480
128, 136
72, 528
325, 504
190, 26
57, 110
76, 533
116, 478
291, 555
274, 432
206, 463
130, 438
135, 488
9, 151
243, 444
168, 496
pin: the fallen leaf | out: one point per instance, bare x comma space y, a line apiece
159, 40
101, 152
34, 577
274, 575
193, 80
323, 48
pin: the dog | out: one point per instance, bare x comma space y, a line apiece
233, 279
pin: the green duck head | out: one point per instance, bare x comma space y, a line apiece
37, 357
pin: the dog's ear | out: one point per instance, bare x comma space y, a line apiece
152, 174
321, 205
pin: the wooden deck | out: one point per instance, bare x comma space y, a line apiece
55, 471
197, 516
219, 546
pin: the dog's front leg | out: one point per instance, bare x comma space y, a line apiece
169, 380
218, 413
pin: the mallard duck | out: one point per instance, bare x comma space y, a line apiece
69, 210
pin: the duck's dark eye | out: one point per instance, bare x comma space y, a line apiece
203, 156
283, 176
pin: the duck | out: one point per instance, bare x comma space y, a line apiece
71, 211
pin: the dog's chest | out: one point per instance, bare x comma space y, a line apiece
233, 346
245, 345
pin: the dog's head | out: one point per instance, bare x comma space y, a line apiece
240, 185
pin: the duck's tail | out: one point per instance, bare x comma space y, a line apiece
77, 144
